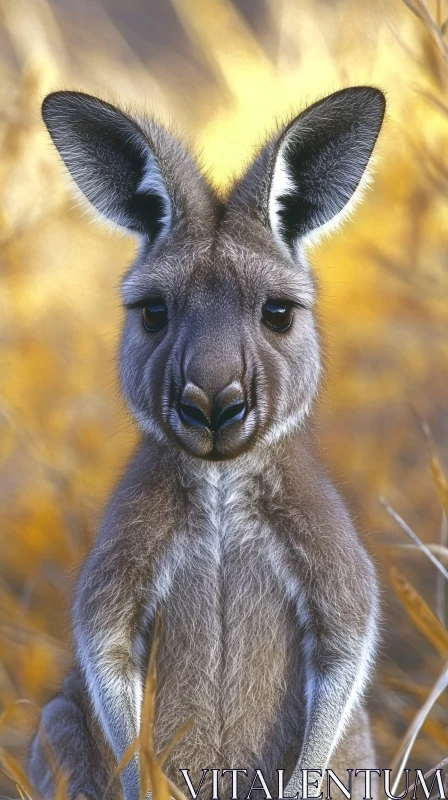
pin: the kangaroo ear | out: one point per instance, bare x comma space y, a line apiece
319, 161
111, 160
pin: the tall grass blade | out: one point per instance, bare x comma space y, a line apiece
405, 527
420, 613
412, 732
15, 771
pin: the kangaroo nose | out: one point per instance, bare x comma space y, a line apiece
228, 406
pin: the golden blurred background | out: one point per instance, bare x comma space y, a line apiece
224, 71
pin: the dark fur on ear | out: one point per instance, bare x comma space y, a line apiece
110, 159
133, 171
307, 177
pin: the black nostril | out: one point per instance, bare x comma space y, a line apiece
193, 415
227, 416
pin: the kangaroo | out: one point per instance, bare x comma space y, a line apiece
224, 521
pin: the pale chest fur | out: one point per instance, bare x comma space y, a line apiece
230, 651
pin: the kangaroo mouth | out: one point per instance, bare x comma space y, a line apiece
232, 436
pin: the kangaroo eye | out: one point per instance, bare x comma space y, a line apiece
277, 314
155, 315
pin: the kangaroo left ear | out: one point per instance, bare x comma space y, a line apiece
111, 160
319, 161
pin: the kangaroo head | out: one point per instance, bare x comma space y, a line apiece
219, 349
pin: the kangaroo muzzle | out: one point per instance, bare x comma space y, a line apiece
214, 424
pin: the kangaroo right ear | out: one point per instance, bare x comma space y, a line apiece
111, 160
319, 162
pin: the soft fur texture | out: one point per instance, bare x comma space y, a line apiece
268, 599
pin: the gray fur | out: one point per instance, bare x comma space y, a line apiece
268, 599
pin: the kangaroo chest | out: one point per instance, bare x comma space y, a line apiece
230, 650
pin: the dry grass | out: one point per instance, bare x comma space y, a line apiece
384, 283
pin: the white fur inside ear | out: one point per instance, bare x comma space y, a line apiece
281, 184
153, 182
